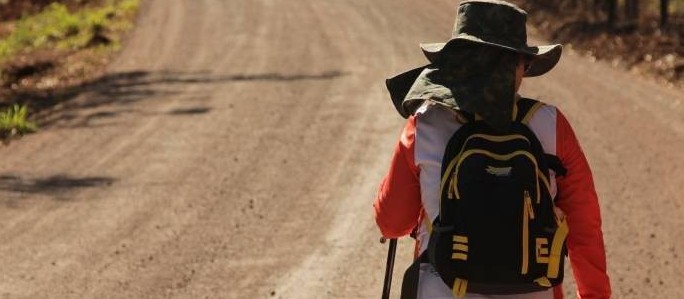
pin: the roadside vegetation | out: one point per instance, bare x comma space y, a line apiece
642, 36
48, 48
57, 28
14, 123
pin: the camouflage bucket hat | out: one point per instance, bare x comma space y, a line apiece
499, 24
484, 24
475, 79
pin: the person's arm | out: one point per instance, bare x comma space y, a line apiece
578, 200
397, 205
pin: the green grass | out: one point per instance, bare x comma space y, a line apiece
56, 27
14, 123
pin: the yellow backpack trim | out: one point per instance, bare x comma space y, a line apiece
556, 249
531, 112
459, 288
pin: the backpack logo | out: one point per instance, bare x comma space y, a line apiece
542, 250
499, 171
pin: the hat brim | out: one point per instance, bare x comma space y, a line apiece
399, 86
544, 58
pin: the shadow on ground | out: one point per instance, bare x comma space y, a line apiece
78, 105
51, 185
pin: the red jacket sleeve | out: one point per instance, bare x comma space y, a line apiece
578, 200
397, 205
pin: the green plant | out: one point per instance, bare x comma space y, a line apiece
14, 123
57, 27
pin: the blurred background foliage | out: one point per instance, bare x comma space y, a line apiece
643, 36
618, 12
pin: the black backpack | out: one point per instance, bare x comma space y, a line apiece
497, 230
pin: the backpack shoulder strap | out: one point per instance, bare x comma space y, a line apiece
464, 117
526, 109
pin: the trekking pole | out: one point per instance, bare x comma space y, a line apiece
389, 268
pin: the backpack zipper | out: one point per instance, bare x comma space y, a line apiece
528, 214
454, 180
457, 158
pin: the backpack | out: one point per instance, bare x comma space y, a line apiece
497, 231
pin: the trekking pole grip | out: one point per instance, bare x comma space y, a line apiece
391, 252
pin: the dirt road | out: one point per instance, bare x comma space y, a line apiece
234, 148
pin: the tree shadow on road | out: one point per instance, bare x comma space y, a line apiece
112, 94
51, 185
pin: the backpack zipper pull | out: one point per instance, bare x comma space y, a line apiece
452, 186
538, 193
528, 214
528, 204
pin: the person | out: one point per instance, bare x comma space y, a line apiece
477, 75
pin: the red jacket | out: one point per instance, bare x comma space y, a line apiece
401, 204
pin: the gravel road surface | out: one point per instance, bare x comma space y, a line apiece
234, 148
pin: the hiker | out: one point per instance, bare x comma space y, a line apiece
493, 186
